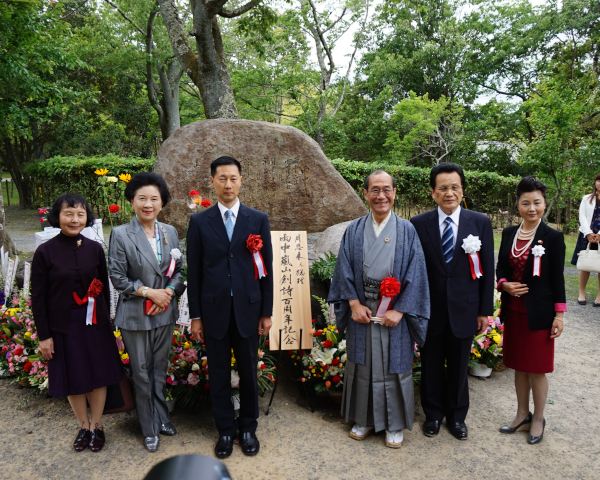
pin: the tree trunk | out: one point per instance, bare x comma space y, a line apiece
208, 70
15, 153
5, 240
170, 119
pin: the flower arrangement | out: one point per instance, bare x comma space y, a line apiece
487, 347
113, 189
43, 212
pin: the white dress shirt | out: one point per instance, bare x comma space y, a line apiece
455, 217
379, 228
235, 209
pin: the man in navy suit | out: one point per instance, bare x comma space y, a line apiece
229, 307
460, 304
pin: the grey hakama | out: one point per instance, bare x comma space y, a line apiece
372, 396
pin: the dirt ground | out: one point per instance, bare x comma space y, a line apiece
297, 444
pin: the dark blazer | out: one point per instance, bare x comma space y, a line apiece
54, 265
547, 289
455, 296
218, 267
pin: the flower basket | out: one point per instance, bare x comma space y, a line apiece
24, 382
336, 397
499, 367
480, 370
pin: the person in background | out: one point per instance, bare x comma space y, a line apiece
530, 274
146, 268
589, 228
81, 352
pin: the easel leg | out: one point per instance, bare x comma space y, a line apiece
277, 375
312, 409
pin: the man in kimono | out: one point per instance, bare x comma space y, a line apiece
378, 386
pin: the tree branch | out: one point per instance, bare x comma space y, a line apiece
321, 37
236, 12
126, 17
510, 94
335, 22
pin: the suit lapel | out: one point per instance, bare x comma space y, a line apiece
464, 227
433, 230
242, 223
539, 235
138, 237
166, 248
217, 224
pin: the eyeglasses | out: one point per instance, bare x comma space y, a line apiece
375, 192
445, 188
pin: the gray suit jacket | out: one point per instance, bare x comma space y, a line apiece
132, 264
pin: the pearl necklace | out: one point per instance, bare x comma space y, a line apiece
518, 252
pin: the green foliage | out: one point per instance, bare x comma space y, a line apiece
485, 192
323, 267
57, 175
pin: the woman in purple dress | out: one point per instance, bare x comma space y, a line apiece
70, 303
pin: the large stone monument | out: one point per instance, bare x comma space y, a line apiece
285, 173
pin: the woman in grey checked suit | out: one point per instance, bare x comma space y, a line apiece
140, 259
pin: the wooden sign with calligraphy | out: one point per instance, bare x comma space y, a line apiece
291, 291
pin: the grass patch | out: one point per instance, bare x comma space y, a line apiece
13, 193
572, 288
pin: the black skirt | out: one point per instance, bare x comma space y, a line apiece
85, 359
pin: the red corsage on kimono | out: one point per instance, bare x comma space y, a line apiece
255, 244
90, 298
390, 287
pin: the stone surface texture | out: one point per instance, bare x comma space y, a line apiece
285, 173
330, 239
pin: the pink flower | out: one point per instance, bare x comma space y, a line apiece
193, 379
486, 343
16, 301
28, 303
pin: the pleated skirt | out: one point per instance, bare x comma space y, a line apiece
84, 359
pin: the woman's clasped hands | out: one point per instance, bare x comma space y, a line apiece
160, 298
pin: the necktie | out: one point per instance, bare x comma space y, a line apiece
448, 242
229, 223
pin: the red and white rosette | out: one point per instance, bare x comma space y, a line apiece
175, 255
255, 244
471, 245
390, 287
537, 251
90, 298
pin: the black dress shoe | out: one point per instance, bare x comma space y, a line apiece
167, 429
521, 427
431, 427
97, 440
224, 446
151, 443
581, 302
459, 430
250, 444
533, 440
596, 304
82, 440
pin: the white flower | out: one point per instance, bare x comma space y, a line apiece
195, 367
538, 250
325, 356
333, 371
175, 253
44, 385
259, 364
112, 179
342, 345
344, 357
471, 244
235, 379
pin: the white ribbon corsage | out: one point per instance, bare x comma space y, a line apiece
537, 251
175, 255
471, 245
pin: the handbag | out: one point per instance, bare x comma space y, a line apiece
589, 260
148, 305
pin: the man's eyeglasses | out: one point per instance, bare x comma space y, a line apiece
386, 191
445, 188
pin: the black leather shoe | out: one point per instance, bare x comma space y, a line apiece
151, 443
521, 427
97, 440
250, 444
582, 302
431, 427
533, 440
459, 430
167, 429
224, 446
82, 440
596, 304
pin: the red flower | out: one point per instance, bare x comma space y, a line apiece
325, 367
328, 384
336, 379
335, 362
270, 376
42, 220
313, 320
254, 243
205, 202
390, 287
113, 209
27, 366
18, 351
327, 344
194, 193
169, 380
95, 288
206, 386
319, 332
263, 366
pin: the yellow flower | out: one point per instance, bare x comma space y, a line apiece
27, 335
476, 353
117, 334
112, 179
101, 171
11, 311
126, 177
125, 356
196, 201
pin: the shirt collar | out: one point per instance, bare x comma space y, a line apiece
235, 209
385, 220
455, 216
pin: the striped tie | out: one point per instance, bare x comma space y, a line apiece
448, 242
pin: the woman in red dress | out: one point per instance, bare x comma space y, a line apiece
530, 276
